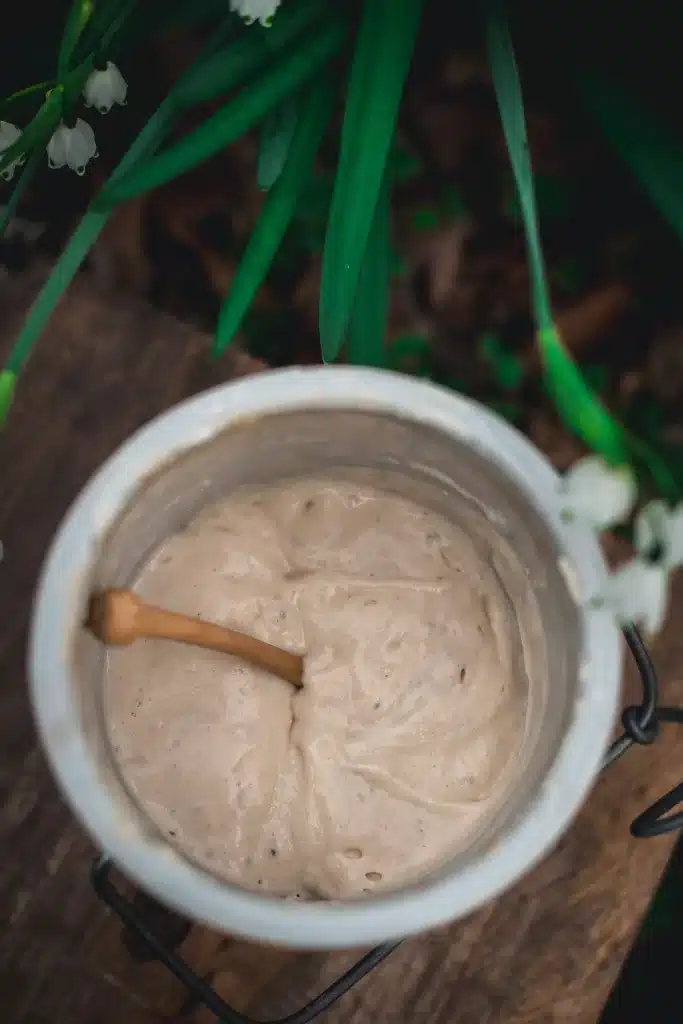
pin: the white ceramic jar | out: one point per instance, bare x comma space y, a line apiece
443, 449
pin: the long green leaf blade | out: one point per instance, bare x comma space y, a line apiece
367, 333
580, 409
8, 382
237, 117
384, 50
277, 211
277, 133
643, 143
232, 66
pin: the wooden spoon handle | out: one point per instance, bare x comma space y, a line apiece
155, 622
121, 617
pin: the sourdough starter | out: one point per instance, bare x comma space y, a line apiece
403, 739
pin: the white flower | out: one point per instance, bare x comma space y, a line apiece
104, 88
255, 10
72, 146
597, 493
9, 133
639, 590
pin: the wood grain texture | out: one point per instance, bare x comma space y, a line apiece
546, 953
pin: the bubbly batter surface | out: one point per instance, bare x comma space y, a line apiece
398, 747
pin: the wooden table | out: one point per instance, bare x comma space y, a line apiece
549, 951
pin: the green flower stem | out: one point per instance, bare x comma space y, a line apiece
79, 16
82, 240
27, 175
36, 131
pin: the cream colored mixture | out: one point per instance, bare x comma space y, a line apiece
404, 735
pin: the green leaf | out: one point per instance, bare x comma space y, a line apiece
579, 408
79, 16
597, 377
276, 137
642, 141
22, 94
367, 334
384, 49
234, 65
239, 115
85, 235
577, 405
277, 211
509, 95
8, 381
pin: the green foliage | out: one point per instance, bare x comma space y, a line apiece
642, 141
367, 331
290, 73
8, 382
277, 133
580, 409
79, 16
78, 247
283, 79
277, 211
383, 53
38, 131
234, 65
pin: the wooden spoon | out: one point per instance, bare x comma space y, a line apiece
120, 617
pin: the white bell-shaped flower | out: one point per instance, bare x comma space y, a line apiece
255, 10
105, 87
72, 147
9, 133
597, 493
639, 590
